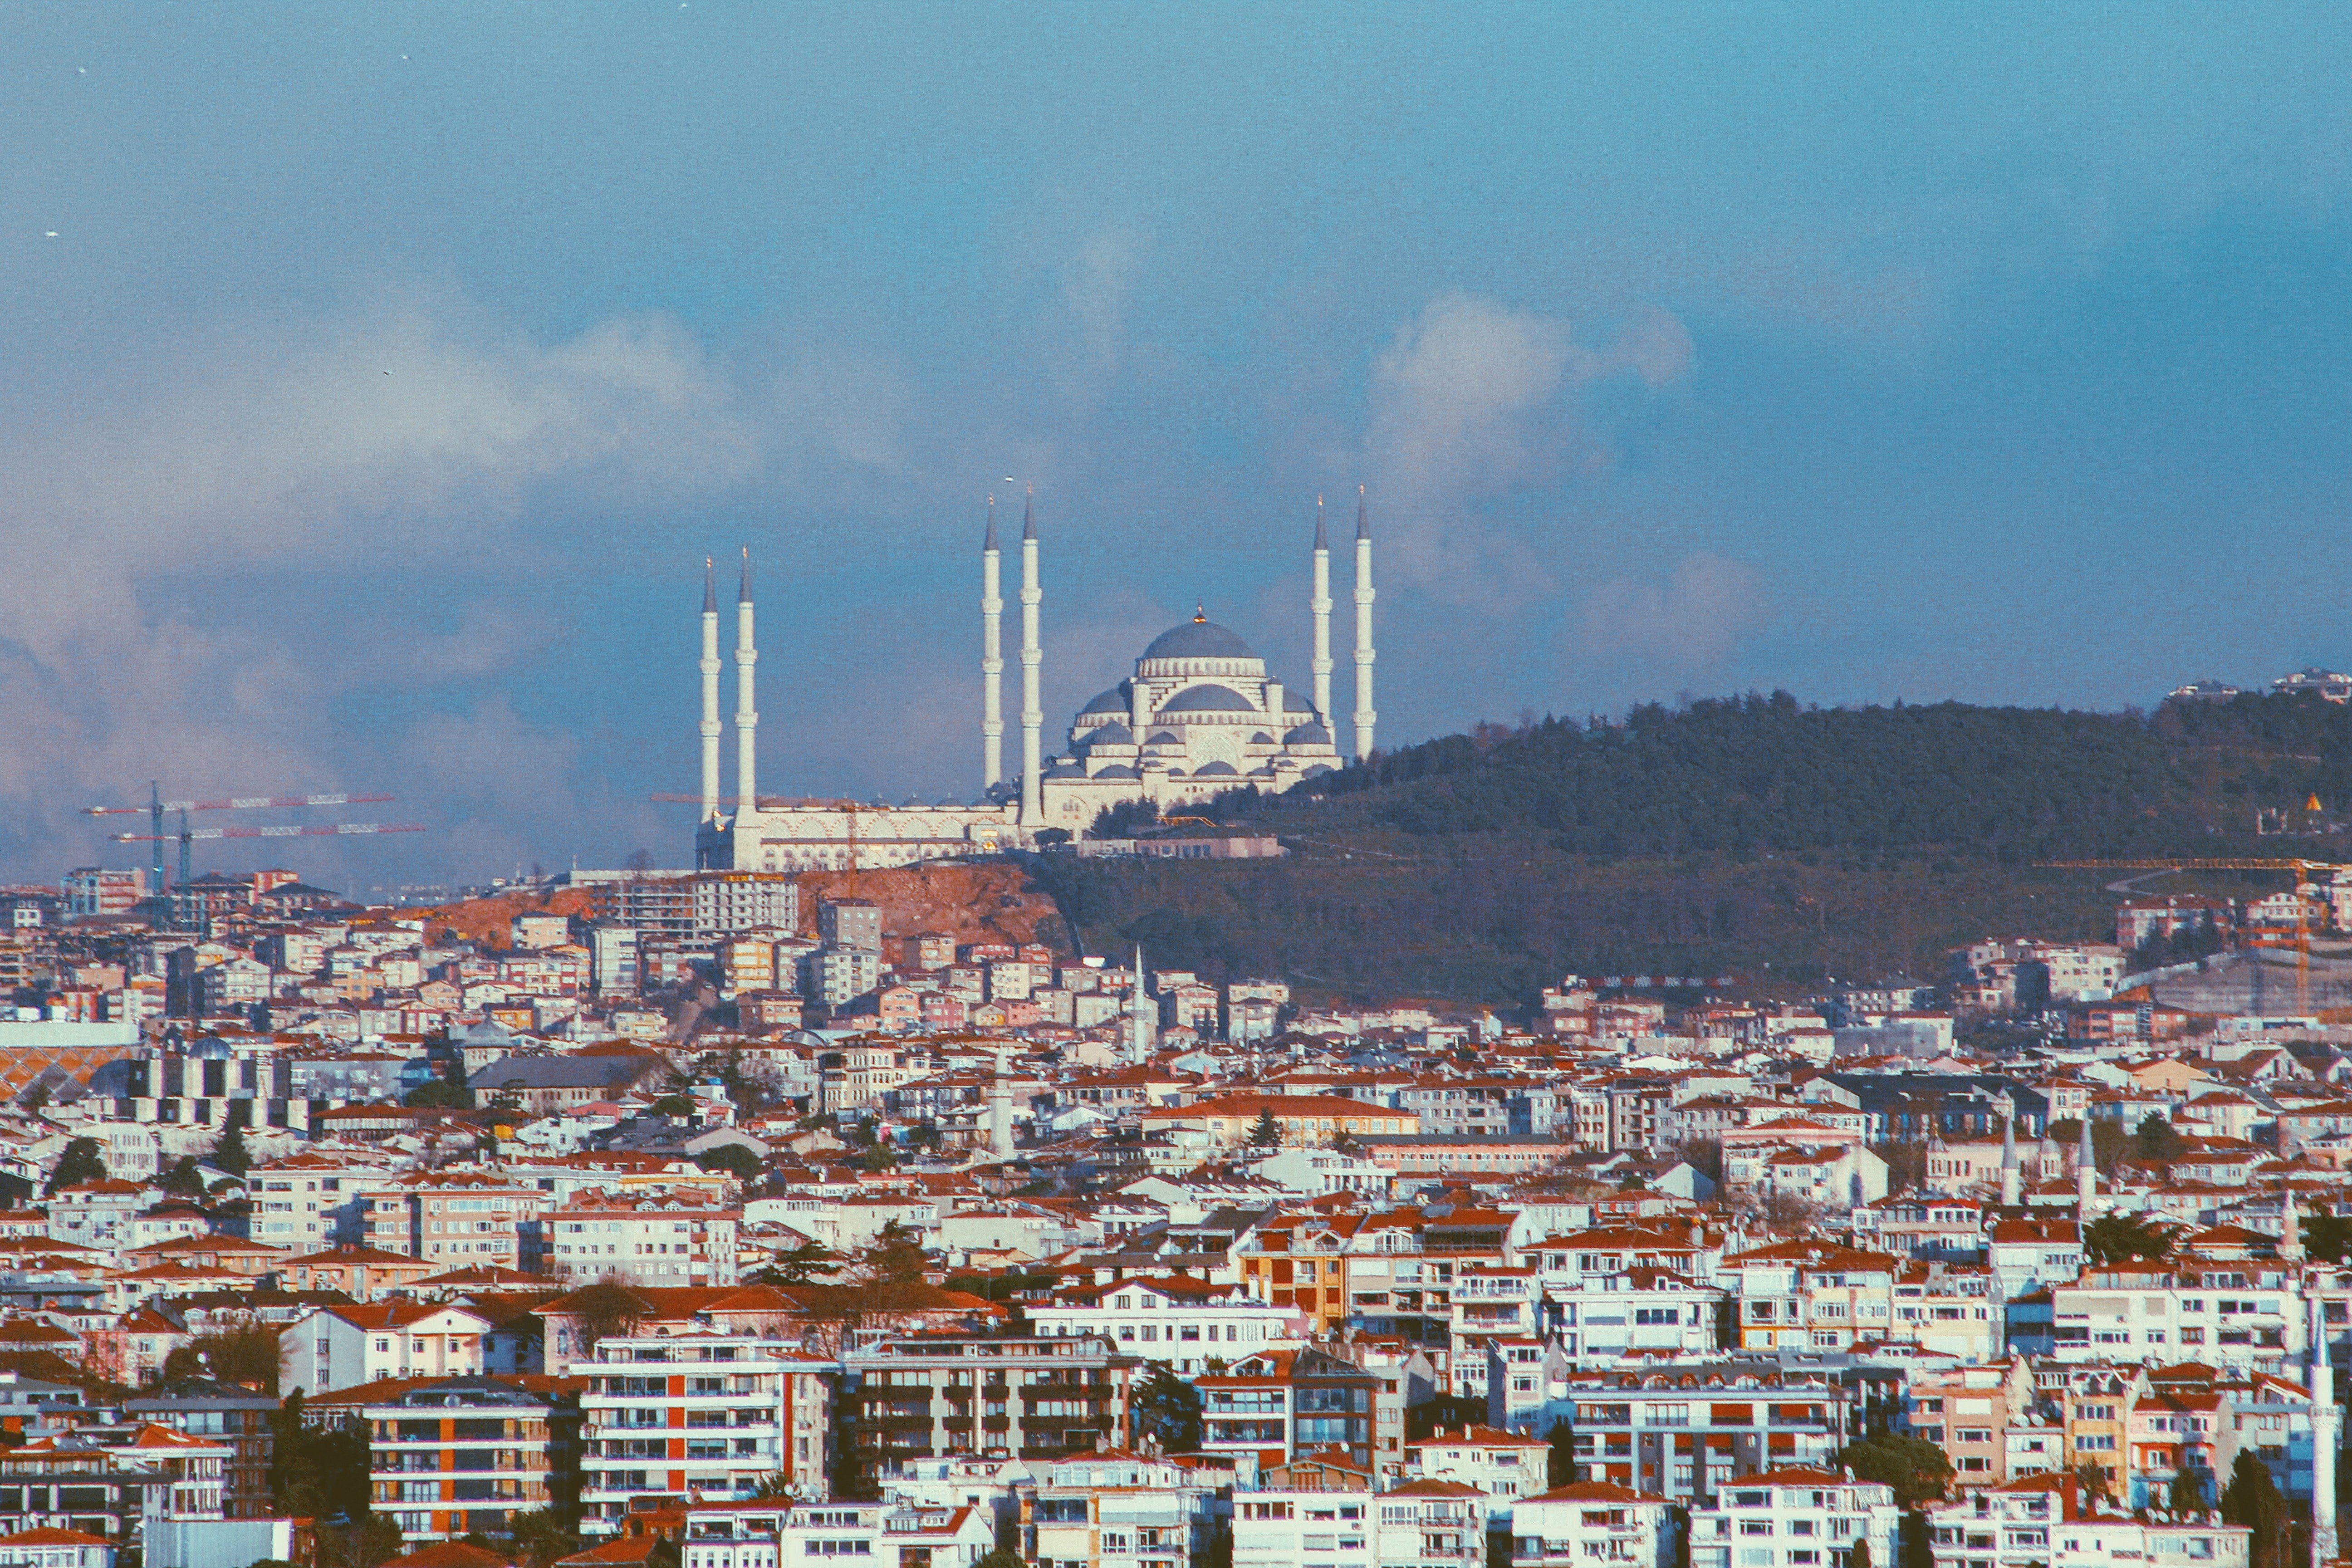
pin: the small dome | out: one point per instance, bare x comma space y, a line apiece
1112, 734
1216, 770
949, 805
1063, 768
1119, 771
1111, 701
1210, 698
1307, 734
1260, 738
1163, 737
1198, 639
1176, 773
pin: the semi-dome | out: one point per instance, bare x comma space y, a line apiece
1292, 702
1207, 698
1198, 639
1163, 737
1111, 701
1215, 770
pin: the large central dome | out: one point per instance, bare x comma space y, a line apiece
1198, 639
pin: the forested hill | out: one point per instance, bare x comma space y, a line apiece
1741, 775
1755, 836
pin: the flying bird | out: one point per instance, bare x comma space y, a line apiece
51, 234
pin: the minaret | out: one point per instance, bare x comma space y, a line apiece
1321, 604
2325, 1419
2290, 1247
991, 661
1032, 710
1140, 1028
1364, 714
2086, 1171
746, 712
709, 693
1000, 1118
2009, 1173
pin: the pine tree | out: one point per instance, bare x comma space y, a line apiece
1266, 1132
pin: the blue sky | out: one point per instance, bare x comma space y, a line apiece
1986, 352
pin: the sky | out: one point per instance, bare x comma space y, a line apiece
374, 381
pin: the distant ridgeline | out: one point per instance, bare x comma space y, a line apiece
1752, 835
1748, 774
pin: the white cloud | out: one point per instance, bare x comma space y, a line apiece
1469, 403
1690, 626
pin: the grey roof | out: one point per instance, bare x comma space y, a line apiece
1293, 703
1111, 701
1117, 771
1198, 639
1217, 769
1112, 734
564, 1072
989, 542
1307, 734
1260, 738
1163, 737
1209, 699
1322, 540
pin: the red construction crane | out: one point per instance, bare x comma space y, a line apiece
314, 830
234, 802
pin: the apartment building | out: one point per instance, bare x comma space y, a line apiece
332, 1348
1812, 1294
457, 1219
2039, 1519
1430, 1524
1184, 1322
924, 1396
1967, 1411
1587, 1523
1283, 1528
1643, 1311
1506, 1466
1116, 1509
1277, 1404
2241, 1316
644, 1238
886, 1536
1683, 1430
450, 1455
1794, 1517
712, 1415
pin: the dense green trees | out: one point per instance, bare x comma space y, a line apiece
81, 1163
1916, 1469
1168, 1408
2115, 1238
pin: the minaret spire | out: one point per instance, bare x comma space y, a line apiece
1364, 715
2290, 1247
2008, 1172
747, 712
1319, 604
1032, 710
2086, 1171
709, 726
992, 658
1139, 1029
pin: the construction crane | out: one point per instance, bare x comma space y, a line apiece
187, 836
157, 805
2303, 871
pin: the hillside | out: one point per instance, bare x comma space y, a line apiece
1750, 835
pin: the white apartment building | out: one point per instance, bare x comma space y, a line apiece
1181, 1321
457, 1220
885, 1535
93, 1214
1639, 1312
1286, 1529
644, 1238
1430, 1524
1506, 1466
2240, 1317
835, 974
2037, 1520
1590, 1523
1794, 1517
332, 1348
707, 1414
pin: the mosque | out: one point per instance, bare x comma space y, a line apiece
1198, 715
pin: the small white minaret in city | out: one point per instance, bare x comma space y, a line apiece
1000, 1118
1139, 1023
2290, 1246
747, 712
2009, 1173
1363, 714
1320, 604
2086, 1172
992, 658
1033, 706
709, 693
2326, 1419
